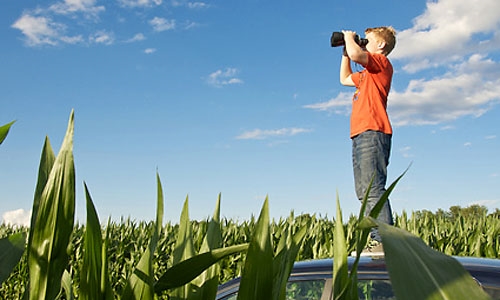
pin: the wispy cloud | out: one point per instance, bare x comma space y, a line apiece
39, 30
471, 88
39, 26
74, 22
437, 38
260, 134
139, 3
17, 217
102, 37
150, 50
190, 4
136, 38
197, 5
162, 24
406, 152
341, 104
87, 7
490, 137
221, 78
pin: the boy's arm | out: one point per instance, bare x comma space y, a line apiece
354, 51
346, 71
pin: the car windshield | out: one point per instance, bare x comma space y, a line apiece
321, 289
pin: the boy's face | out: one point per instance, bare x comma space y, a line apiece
373, 43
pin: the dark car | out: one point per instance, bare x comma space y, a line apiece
312, 280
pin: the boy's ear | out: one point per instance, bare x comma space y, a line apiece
381, 45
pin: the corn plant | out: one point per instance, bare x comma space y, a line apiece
52, 221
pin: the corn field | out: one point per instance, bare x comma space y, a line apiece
55, 259
461, 235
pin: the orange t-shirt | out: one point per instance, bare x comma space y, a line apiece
369, 102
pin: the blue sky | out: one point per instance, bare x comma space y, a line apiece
243, 98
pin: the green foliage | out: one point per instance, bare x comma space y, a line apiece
53, 224
434, 275
11, 251
4, 130
94, 280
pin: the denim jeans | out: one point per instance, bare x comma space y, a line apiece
370, 158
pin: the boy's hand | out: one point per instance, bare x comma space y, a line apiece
349, 34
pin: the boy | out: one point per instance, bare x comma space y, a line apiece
371, 130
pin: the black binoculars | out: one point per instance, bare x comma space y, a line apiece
337, 40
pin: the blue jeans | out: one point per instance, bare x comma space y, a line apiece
370, 158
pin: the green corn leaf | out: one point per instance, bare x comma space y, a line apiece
418, 272
257, 277
184, 249
4, 130
47, 160
105, 278
206, 284
365, 224
92, 275
11, 251
141, 283
53, 226
380, 204
185, 271
341, 282
285, 258
159, 210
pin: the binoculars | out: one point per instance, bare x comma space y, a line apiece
337, 40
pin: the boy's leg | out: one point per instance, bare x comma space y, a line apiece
370, 155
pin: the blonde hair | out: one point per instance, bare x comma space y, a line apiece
387, 34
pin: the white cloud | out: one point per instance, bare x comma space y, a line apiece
72, 39
136, 38
17, 217
87, 7
221, 78
469, 89
259, 134
42, 30
189, 4
338, 105
149, 50
190, 25
139, 3
490, 137
102, 37
161, 24
39, 30
406, 152
197, 5
447, 30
